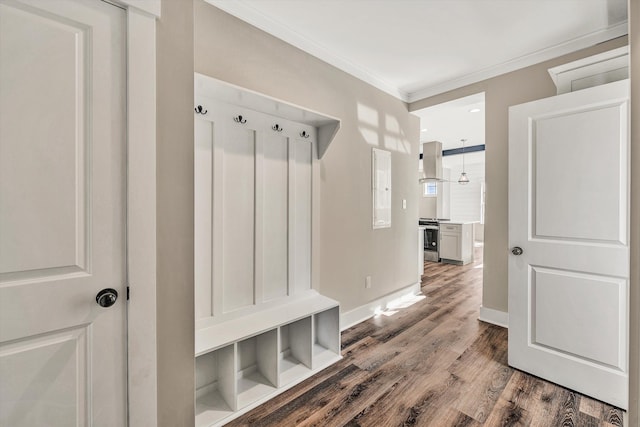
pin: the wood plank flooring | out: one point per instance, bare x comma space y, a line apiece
430, 364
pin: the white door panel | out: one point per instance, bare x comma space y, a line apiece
568, 211
62, 213
587, 306
591, 179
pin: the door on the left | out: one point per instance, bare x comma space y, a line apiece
62, 213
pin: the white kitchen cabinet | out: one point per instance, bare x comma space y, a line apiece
456, 242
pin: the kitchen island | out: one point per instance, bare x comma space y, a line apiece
456, 242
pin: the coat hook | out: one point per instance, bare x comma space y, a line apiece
239, 119
304, 134
199, 109
277, 128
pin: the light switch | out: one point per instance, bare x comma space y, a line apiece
404, 203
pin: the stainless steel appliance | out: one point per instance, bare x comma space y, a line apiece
431, 238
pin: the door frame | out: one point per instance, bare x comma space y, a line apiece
142, 391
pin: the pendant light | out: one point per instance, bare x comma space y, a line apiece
464, 179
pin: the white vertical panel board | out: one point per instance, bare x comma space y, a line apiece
256, 187
274, 185
381, 186
238, 217
300, 159
203, 191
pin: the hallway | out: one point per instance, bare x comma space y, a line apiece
430, 364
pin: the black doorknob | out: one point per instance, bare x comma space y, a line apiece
517, 251
107, 297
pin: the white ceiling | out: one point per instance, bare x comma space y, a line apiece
453, 121
417, 48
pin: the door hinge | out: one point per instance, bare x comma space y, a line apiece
127, 293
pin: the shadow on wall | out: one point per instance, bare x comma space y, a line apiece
382, 131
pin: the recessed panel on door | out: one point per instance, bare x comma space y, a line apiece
44, 191
238, 210
582, 315
580, 175
37, 375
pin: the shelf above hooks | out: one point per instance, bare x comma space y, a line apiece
326, 126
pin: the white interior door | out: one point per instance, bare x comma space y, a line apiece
62, 213
568, 212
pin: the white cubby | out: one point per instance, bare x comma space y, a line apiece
215, 385
326, 336
295, 350
244, 362
257, 367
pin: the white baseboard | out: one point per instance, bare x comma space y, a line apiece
367, 311
495, 317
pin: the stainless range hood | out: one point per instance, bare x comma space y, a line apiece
431, 162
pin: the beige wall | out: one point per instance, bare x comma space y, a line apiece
231, 50
634, 365
175, 318
501, 92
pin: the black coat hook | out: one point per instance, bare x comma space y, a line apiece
199, 109
239, 119
277, 128
304, 134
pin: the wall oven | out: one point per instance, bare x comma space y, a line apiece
431, 239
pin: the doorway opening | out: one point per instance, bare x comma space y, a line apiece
452, 211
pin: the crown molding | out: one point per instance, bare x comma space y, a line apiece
537, 57
253, 16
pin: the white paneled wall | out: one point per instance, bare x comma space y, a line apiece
300, 160
253, 192
274, 218
260, 327
466, 199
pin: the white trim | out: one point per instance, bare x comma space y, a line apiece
542, 55
611, 61
253, 16
141, 210
495, 317
368, 310
151, 7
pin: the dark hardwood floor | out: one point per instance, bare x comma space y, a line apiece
430, 364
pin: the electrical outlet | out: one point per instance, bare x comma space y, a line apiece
367, 282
